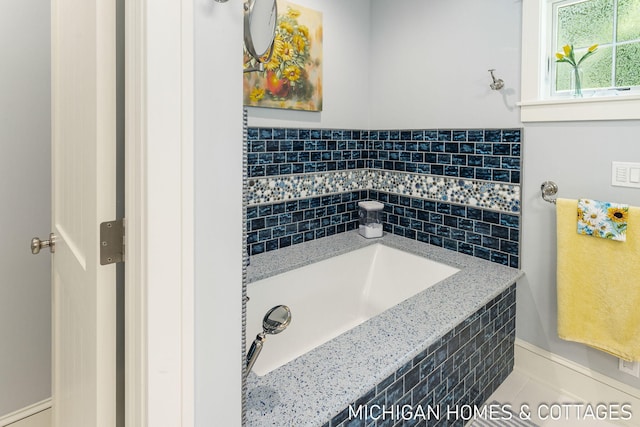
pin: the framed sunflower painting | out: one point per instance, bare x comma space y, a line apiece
292, 78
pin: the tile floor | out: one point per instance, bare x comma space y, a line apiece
520, 389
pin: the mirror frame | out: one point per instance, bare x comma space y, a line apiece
248, 38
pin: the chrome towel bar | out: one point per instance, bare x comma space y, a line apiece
549, 189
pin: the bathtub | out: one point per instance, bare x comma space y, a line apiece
335, 295
387, 303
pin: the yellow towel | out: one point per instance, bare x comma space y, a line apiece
599, 286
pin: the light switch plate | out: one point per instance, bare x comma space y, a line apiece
625, 174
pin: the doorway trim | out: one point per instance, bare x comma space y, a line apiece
159, 307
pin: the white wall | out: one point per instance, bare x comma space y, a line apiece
25, 210
429, 63
346, 50
218, 212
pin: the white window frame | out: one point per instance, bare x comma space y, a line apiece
536, 105
552, 69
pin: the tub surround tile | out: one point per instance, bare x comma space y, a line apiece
313, 388
463, 368
466, 229
472, 168
279, 225
474, 153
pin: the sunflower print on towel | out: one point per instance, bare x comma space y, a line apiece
603, 219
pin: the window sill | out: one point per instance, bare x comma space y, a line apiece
625, 107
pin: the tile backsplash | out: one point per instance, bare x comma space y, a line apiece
459, 189
278, 225
273, 152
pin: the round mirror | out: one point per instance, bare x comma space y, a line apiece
260, 19
276, 320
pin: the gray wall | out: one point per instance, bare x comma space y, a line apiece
430, 60
577, 156
25, 297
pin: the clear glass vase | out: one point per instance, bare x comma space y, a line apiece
576, 82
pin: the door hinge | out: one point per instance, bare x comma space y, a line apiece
112, 242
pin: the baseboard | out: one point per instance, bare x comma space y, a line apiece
25, 412
573, 379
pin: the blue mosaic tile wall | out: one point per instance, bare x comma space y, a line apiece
458, 189
278, 225
490, 155
464, 367
274, 152
482, 233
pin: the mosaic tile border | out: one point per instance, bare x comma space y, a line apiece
464, 367
483, 194
293, 187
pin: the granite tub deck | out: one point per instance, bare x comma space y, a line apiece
315, 387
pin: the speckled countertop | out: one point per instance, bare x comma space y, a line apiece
310, 390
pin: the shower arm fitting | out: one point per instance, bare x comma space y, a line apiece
497, 83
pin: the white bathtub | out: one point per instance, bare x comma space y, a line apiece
332, 296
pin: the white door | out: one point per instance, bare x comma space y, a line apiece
83, 196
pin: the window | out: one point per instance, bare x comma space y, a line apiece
616, 63
612, 24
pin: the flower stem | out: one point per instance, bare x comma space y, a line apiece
577, 90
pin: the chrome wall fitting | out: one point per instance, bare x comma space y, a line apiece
497, 83
549, 189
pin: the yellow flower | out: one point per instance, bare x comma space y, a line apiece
286, 27
293, 13
256, 94
278, 45
593, 48
299, 42
559, 55
304, 31
567, 50
617, 215
292, 73
287, 52
273, 64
